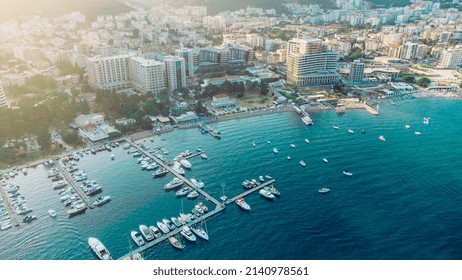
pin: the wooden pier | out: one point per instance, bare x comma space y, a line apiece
11, 212
73, 183
252, 190
193, 155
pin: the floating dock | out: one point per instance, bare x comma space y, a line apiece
11, 212
73, 183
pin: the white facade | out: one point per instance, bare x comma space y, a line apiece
108, 73
451, 58
175, 72
3, 102
310, 63
146, 75
356, 71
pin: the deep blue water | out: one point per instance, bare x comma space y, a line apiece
403, 201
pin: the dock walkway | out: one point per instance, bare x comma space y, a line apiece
73, 183
207, 196
252, 190
9, 208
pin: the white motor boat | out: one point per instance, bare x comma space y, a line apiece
52, 213
146, 232
155, 231
186, 232
350, 131
417, 133
241, 203
307, 140
324, 190
325, 160
266, 194
292, 145
136, 236
175, 242
102, 200
382, 138
175, 183
99, 249
275, 150
192, 195
347, 173
185, 163
200, 232
302, 163
197, 183
163, 227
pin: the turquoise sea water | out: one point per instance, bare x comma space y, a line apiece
403, 201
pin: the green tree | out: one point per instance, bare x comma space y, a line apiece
408, 78
423, 82
44, 138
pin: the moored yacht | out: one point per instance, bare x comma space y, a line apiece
102, 200
241, 203
266, 194
146, 232
186, 163
192, 195
184, 191
160, 173
77, 209
136, 236
175, 183
204, 156
186, 232
200, 232
197, 183
176, 221
175, 242
155, 231
163, 227
177, 168
99, 249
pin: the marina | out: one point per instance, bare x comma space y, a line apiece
73, 183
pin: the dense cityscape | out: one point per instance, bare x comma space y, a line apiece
76, 85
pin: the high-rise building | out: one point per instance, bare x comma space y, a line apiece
146, 75
451, 58
187, 54
356, 71
3, 102
310, 63
108, 73
175, 72
409, 51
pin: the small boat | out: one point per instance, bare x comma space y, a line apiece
204, 156
192, 195
112, 156
268, 177
325, 160
197, 183
288, 157
176, 221
99, 249
347, 173
160, 173
426, 120
29, 218
418, 133
261, 178
363, 131
177, 168
186, 232
163, 227
307, 141
175, 242
102, 200
335, 127
155, 231
273, 190
275, 150
253, 144
302, 163
146, 232
407, 126
324, 190
350, 131
175, 183
136, 236
184, 191
52, 213
292, 145
269, 142
200, 232
169, 224
266, 194
24, 171
186, 163
382, 138
241, 203
77, 209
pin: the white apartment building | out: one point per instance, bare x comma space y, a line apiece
451, 58
175, 72
3, 102
146, 75
310, 63
357, 71
108, 73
